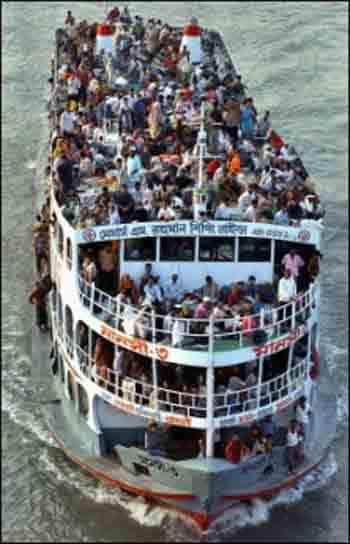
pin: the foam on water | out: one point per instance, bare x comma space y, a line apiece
22, 413
31, 165
179, 526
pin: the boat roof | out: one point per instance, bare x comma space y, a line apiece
185, 141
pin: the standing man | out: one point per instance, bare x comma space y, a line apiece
293, 262
287, 292
38, 298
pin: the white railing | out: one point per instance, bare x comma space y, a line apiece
171, 401
253, 398
189, 333
141, 392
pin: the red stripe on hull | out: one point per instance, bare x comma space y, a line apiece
202, 520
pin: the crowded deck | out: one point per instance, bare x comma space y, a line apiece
160, 165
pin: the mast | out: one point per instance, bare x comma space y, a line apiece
199, 198
202, 140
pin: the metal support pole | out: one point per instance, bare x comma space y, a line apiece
290, 361
260, 375
201, 148
92, 297
89, 351
210, 394
293, 314
154, 361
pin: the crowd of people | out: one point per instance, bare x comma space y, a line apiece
246, 444
183, 316
182, 390
151, 95
250, 172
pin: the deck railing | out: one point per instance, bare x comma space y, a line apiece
190, 333
174, 402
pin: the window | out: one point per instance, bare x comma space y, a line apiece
71, 386
69, 253
140, 250
252, 250
61, 365
83, 400
60, 240
59, 311
217, 249
69, 322
177, 249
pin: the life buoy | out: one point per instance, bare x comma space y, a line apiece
315, 369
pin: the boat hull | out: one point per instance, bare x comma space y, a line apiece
203, 520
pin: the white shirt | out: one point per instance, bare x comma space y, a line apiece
153, 293
292, 439
73, 85
173, 291
245, 200
287, 289
114, 218
166, 213
66, 121
251, 214
168, 323
113, 102
177, 333
98, 133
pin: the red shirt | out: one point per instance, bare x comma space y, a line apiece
248, 323
84, 77
276, 141
213, 166
233, 451
233, 298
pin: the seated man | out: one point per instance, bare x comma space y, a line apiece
210, 289
235, 295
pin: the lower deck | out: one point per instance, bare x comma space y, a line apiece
202, 487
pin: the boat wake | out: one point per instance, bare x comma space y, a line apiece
177, 526
17, 403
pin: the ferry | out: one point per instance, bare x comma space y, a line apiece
178, 258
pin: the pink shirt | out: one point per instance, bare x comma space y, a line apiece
293, 264
201, 312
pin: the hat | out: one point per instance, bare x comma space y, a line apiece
206, 299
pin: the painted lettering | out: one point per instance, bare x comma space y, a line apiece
159, 465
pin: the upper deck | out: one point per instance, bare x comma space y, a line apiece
157, 162
167, 144
192, 178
